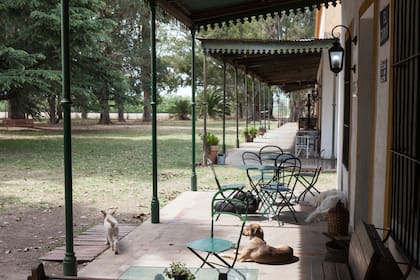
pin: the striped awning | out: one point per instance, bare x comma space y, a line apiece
196, 14
291, 65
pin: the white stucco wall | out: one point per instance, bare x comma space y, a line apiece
327, 91
347, 177
381, 133
350, 15
381, 122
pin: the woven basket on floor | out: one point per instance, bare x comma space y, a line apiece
338, 220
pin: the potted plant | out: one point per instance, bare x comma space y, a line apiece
178, 271
212, 146
248, 137
253, 132
250, 134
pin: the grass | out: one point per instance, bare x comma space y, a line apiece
109, 165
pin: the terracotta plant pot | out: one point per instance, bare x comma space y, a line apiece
213, 153
249, 137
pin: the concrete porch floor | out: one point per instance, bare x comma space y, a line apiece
188, 218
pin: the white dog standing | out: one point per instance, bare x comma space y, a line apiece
324, 201
111, 230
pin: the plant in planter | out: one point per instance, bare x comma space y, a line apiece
212, 145
178, 271
248, 137
252, 131
250, 134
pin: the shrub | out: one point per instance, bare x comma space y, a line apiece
181, 108
212, 139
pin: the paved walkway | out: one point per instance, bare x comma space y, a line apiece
187, 218
284, 137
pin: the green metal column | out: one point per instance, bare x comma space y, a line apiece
69, 261
264, 98
270, 97
205, 109
224, 108
247, 101
193, 174
278, 109
259, 103
237, 107
153, 103
253, 101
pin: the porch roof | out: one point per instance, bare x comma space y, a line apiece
204, 14
291, 65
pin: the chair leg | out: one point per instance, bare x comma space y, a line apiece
203, 259
286, 202
225, 262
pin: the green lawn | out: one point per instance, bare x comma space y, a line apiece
108, 164
111, 165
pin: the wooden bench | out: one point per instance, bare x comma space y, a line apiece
18, 122
38, 273
368, 259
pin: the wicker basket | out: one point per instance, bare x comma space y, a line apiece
338, 220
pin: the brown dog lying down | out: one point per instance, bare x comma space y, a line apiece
259, 251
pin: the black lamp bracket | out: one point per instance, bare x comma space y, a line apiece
354, 39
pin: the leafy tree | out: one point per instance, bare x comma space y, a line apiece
132, 38
95, 72
214, 103
295, 26
181, 108
23, 79
110, 55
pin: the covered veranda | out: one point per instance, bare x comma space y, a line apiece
193, 15
283, 65
147, 250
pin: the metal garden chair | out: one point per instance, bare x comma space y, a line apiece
302, 145
259, 175
215, 244
309, 178
257, 172
279, 192
269, 153
235, 188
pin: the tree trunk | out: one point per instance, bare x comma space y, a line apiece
59, 112
121, 113
145, 66
104, 118
296, 106
52, 109
84, 113
16, 108
241, 110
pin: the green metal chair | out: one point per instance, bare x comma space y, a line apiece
236, 188
280, 191
308, 179
215, 244
220, 187
269, 153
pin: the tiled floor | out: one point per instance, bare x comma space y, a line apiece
188, 217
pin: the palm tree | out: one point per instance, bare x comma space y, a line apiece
214, 104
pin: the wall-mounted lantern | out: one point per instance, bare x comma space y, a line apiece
336, 52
